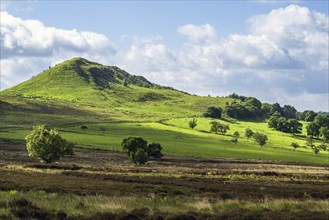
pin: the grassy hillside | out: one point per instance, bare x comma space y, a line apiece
79, 92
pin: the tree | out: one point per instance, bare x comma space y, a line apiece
234, 140
154, 150
102, 129
260, 138
139, 156
192, 124
223, 128
294, 145
214, 127
47, 145
316, 150
324, 134
213, 112
131, 144
289, 111
295, 126
277, 108
323, 147
84, 127
236, 134
248, 133
310, 142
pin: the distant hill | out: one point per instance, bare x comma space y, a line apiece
78, 84
79, 73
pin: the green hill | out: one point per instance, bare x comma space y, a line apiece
79, 92
81, 87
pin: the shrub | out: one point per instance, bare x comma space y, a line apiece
295, 145
248, 133
139, 156
260, 138
192, 124
137, 148
47, 145
213, 112
154, 150
234, 140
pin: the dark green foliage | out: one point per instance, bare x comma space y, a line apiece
219, 127
236, 134
234, 140
192, 124
139, 156
131, 144
289, 111
260, 138
266, 109
316, 150
213, 112
84, 127
154, 150
324, 134
307, 115
47, 145
295, 145
248, 133
137, 148
310, 141
320, 121
244, 108
277, 108
282, 124
323, 146
295, 127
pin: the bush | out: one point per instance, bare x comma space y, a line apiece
192, 124
248, 133
295, 145
137, 148
154, 150
260, 138
47, 145
139, 156
234, 140
213, 112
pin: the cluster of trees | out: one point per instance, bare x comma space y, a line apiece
213, 112
280, 123
251, 108
219, 127
319, 127
139, 151
47, 144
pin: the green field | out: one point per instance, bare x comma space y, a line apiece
78, 92
177, 139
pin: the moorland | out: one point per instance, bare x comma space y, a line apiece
203, 174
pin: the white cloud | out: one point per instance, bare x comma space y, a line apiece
284, 57
198, 33
28, 47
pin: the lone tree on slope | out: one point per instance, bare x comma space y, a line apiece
47, 145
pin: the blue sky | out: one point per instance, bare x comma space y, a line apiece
274, 50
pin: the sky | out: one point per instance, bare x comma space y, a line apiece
276, 51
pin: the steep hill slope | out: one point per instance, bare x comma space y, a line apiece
81, 87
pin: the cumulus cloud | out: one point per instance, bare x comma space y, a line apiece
285, 54
283, 58
28, 46
198, 32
